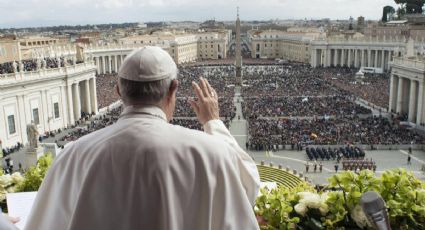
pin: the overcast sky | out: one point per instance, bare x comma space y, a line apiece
26, 13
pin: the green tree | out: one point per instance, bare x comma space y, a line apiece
35, 175
411, 6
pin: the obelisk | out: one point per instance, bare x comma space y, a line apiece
238, 51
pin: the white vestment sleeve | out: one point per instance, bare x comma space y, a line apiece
246, 166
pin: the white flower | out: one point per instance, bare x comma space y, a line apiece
359, 217
17, 178
312, 200
300, 208
5, 180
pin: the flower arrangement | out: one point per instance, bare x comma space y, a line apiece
338, 205
31, 180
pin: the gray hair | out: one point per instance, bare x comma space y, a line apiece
147, 93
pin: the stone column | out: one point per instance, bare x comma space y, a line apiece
103, 65
420, 114
328, 57
77, 101
70, 105
93, 95
46, 111
87, 97
349, 58
369, 58
116, 63
383, 60
376, 59
393, 94
400, 95
20, 119
356, 57
97, 60
110, 64
412, 101
363, 56
342, 57
335, 57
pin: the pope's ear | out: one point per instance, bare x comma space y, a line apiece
173, 87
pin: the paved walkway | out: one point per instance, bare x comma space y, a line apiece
239, 126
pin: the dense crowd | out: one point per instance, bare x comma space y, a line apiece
33, 65
371, 131
326, 98
88, 126
106, 89
373, 88
285, 80
301, 106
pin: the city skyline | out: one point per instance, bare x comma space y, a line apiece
35, 13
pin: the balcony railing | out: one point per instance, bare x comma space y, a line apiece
44, 73
411, 63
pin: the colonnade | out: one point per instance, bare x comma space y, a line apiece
352, 57
82, 98
407, 97
108, 63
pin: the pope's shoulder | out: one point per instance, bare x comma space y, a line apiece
156, 136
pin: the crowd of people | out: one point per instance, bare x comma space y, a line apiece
106, 89
373, 88
294, 104
368, 131
9, 150
87, 125
285, 80
33, 64
302, 106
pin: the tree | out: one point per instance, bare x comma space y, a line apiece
411, 6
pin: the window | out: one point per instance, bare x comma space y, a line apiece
56, 109
35, 117
11, 123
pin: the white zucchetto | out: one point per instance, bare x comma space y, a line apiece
148, 64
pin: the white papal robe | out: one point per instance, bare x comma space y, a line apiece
144, 173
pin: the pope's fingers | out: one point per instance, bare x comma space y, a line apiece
198, 91
204, 87
211, 90
12, 220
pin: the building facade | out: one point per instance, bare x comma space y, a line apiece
211, 46
407, 95
272, 44
51, 98
362, 52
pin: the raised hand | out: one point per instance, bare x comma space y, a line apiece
206, 105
